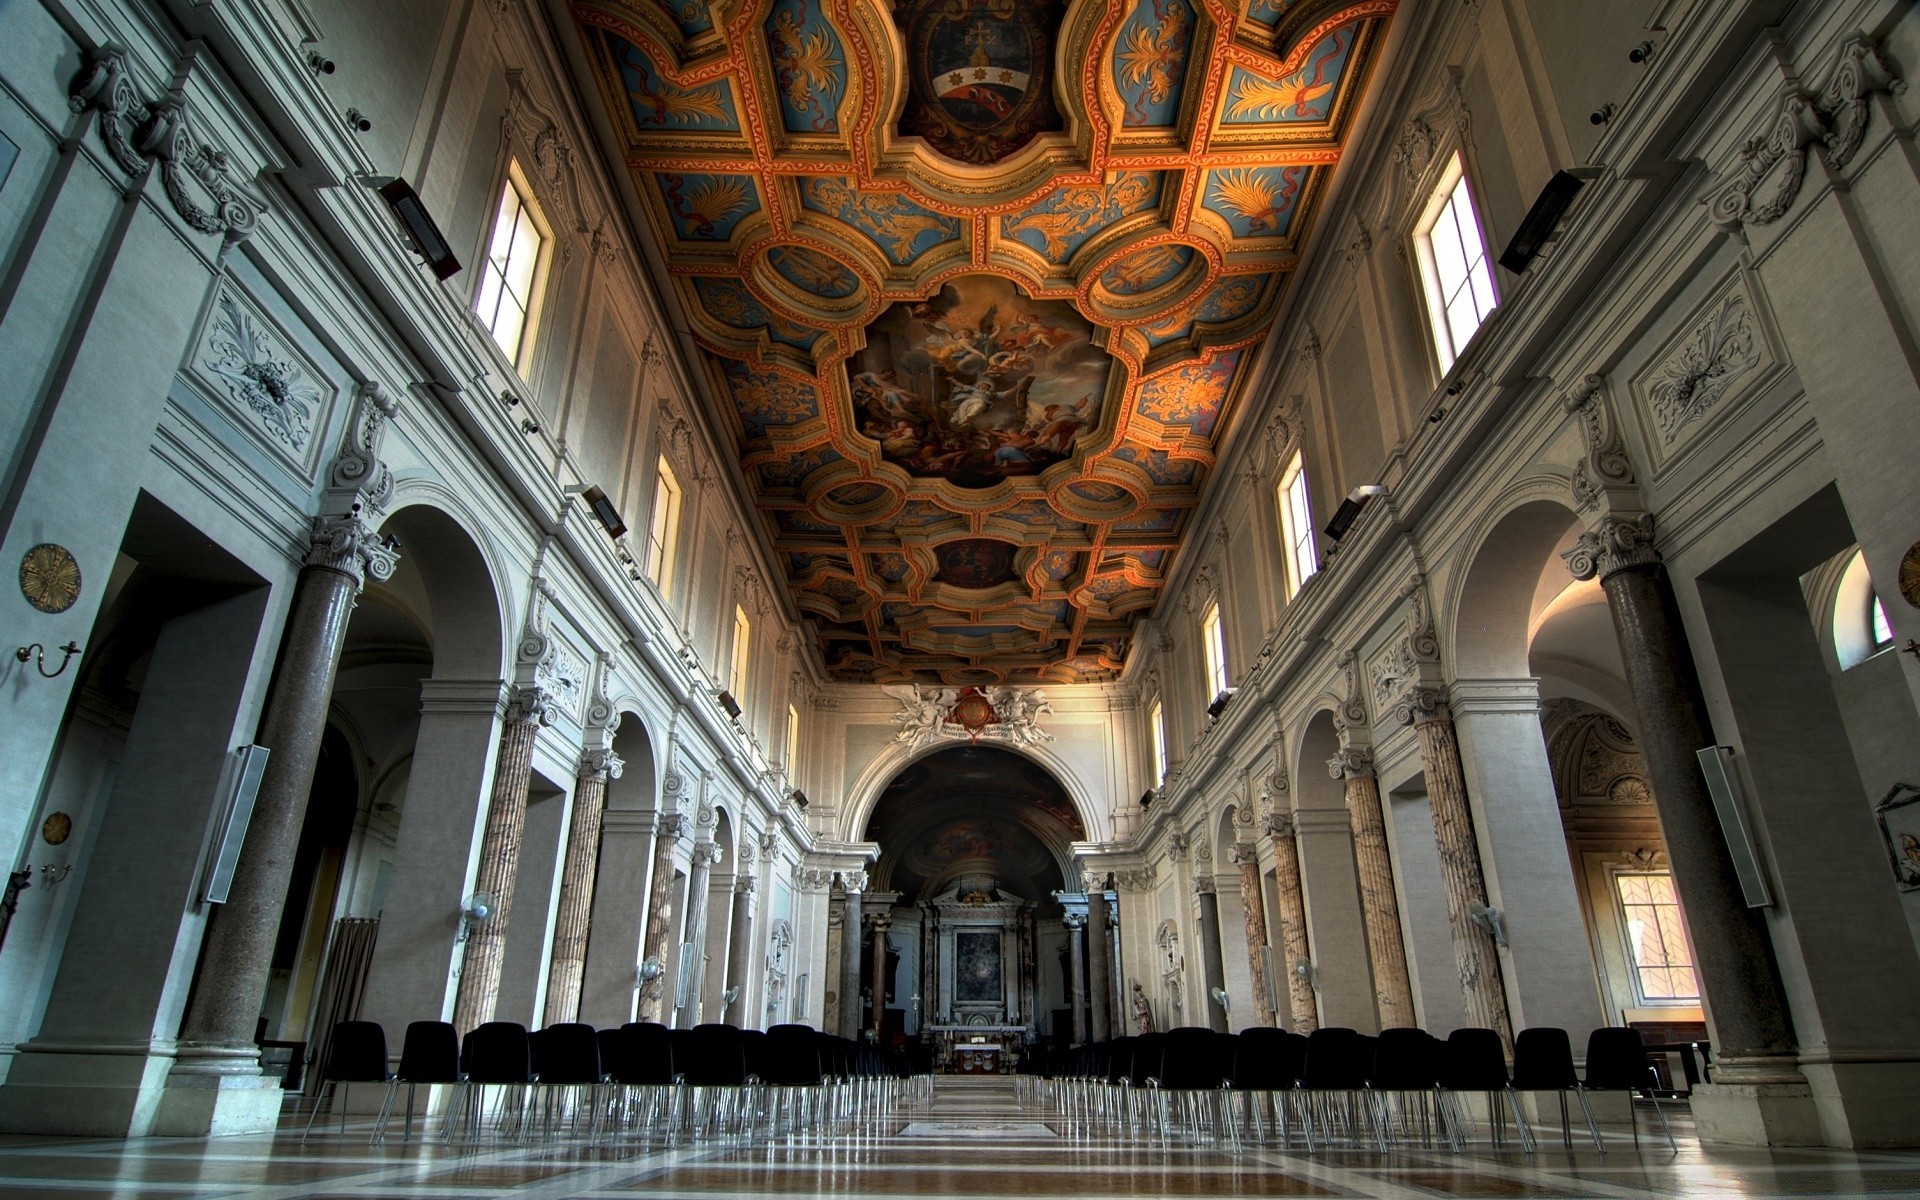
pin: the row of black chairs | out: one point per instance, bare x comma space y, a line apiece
1339, 1085
641, 1079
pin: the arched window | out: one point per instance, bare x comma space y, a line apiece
1860, 626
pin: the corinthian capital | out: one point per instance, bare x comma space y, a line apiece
669, 826
1615, 544
601, 762
1420, 705
1350, 762
347, 543
530, 705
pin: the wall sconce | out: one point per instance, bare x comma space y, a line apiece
37, 654
51, 875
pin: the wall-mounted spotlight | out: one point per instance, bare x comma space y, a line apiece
1603, 114
1640, 54
529, 426
729, 703
357, 121
603, 509
418, 224
1146, 798
319, 63
798, 797
509, 399
1219, 704
1349, 510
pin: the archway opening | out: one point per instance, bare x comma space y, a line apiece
966, 908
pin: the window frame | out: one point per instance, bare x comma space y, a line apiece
1213, 643
1157, 732
1452, 182
790, 757
740, 659
1635, 971
663, 526
1298, 541
514, 183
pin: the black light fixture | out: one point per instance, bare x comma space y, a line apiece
1146, 798
729, 703
1349, 510
1219, 704
1537, 227
603, 510
798, 797
419, 226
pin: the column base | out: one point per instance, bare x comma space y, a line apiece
1866, 1105
215, 1090
1756, 1114
84, 1091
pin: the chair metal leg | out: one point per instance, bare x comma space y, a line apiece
325, 1097
1593, 1127
1664, 1127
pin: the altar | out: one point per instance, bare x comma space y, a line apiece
977, 1049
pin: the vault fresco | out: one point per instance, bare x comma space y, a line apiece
978, 284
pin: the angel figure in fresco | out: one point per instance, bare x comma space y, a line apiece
803, 65
1155, 56
1055, 427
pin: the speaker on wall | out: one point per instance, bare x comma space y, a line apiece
1729, 802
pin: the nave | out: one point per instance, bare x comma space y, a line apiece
953, 1137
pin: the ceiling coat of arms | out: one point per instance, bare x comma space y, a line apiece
980, 88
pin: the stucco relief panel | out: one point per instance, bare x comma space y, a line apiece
246, 363
1723, 352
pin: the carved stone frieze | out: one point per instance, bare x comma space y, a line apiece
1605, 465
1860, 73
1772, 165
1615, 544
1178, 846
923, 716
814, 879
1134, 879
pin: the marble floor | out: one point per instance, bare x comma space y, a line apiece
965, 1141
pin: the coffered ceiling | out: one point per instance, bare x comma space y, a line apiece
979, 282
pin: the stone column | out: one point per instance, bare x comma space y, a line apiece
1474, 951
1077, 969
1212, 964
1099, 976
1302, 1011
1732, 950
1253, 906
929, 966
217, 1037
705, 856
854, 883
499, 858
880, 923
569, 961
1379, 904
666, 840
739, 951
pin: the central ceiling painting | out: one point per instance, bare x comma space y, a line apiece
977, 284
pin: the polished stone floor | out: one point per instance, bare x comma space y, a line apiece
966, 1141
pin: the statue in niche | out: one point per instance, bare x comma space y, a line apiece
1142, 1015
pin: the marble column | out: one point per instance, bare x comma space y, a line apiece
1474, 952
1253, 907
499, 858
654, 948
217, 1036
929, 966
693, 955
1302, 1010
880, 923
1099, 975
854, 883
739, 951
1379, 903
1077, 970
1733, 953
568, 964
1212, 963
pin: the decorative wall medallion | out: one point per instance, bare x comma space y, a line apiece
50, 578
261, 375
1910, 575
1723, 352
57, 828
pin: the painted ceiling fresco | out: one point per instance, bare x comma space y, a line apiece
978, 283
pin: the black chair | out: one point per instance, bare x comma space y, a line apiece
1617, 1062
1142, 1070
638, 1060
792, 1067
1195, 1070
356, 1054
568, 1074
1405, 1081
429, 1054
1543, 1062
1475, 1060
1334, 1083
496, 1054
1267, 1066
712, 1061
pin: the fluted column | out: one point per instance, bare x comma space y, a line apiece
1474, 951
1732, 951
218, 1033
1379, 904
569, 960
1077, 969
1213, 967
854, 882
739, 951
1301, 1008
1253, 907
1099, 976
653, 990
705, 856
881, 922
499, 858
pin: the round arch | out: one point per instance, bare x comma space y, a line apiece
1489, 621
447, 577
897, 757
637, 788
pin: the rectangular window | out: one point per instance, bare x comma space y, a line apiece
1157, 719
1296, 526
1215, 644
1454, 270
742, 643
792, 755
516, 261
1656, 936
663, 530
